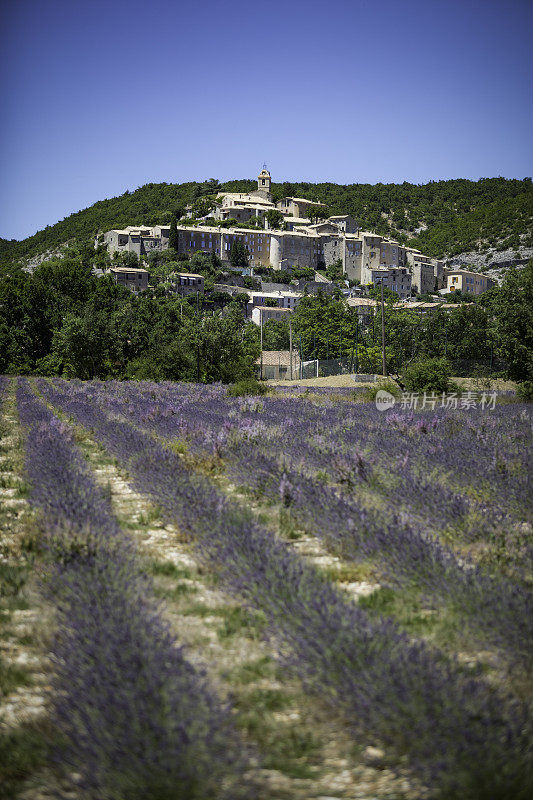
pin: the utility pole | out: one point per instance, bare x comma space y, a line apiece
198, 360
290, 343
261, 335
356, 345
383, 332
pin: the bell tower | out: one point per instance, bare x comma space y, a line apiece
263, 181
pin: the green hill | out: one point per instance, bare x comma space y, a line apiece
441, 218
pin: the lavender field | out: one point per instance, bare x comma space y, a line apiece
287, 596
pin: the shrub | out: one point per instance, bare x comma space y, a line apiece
247, 387
524, 391
387, 385
432, 375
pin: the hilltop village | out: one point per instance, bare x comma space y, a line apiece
294, 232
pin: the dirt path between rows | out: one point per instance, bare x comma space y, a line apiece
309, 752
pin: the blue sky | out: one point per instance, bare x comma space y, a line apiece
101, 97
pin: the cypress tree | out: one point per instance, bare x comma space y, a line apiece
173, 238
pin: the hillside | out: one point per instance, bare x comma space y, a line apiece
443, 219
6, 244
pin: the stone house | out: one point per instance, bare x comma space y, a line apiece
283, 299
277, 365
136, 280
396, 279
297, 206
464, 280
266, 313
185, 283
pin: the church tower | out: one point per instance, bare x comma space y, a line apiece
263, 182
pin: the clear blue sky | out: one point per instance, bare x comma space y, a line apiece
103, 96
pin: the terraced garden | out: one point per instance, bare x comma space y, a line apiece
292, 596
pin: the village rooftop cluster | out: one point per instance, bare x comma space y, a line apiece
296, 241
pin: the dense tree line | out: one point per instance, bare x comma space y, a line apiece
441, 218
63, 320
493, 334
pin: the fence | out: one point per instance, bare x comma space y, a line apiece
322, 368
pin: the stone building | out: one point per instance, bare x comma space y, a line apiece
185, 283
462, 280
345, 223
138, 240
265, 313
428, 273
297, 206
365, 308
283, 299
396, 279
206, 239
243, 206
278, 365
136, 280
299, 242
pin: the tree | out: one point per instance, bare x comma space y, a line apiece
202, 207
334, 271
374, 291
513, 325
86, 346
225, 348
324, 326
276, 335
467, 332
126, 259
206, 264
238, 254
212, 186
173, 238
251, 283
280, 191
316, 212
432, 375
242, 298
274, 218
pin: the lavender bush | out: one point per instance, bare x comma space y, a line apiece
497, 610
136, 719
462, 736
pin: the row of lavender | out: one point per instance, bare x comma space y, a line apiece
422, 454
458, 733
135, 718
497, 610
